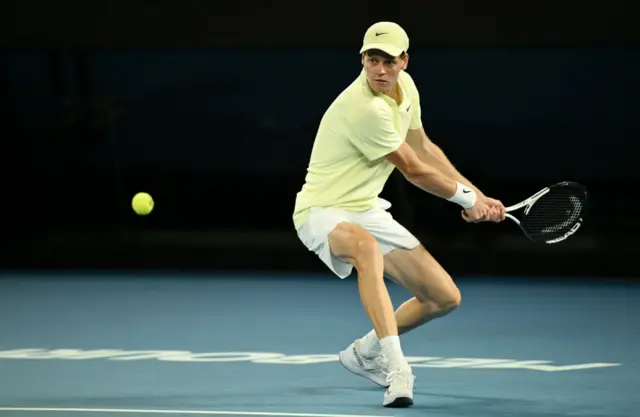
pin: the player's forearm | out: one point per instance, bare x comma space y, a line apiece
436, 157
436, 183
433, 182
430, 178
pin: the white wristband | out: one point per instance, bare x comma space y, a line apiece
464, 196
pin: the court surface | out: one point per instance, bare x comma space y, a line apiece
92, 345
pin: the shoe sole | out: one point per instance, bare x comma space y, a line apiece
360, 374
400, 402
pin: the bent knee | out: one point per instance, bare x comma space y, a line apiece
444, 299
450, 300
365, 251
366, 246
354, 243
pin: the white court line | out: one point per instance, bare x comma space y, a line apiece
196, 412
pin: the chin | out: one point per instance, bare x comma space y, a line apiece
381, 88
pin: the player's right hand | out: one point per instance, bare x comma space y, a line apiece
497, 210
477, 213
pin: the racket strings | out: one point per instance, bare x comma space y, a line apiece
554, 214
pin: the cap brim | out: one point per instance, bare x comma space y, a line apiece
391, 50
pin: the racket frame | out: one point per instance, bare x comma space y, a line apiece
527, 203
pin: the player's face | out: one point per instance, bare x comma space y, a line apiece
382, 72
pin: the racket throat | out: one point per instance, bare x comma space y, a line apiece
535, 198
512, 217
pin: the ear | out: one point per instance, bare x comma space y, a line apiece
405, 62
363, 57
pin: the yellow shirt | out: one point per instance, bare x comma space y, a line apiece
347, 168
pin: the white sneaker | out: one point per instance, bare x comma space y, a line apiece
373, 369
400, 391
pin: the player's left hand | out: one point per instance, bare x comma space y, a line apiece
496, 212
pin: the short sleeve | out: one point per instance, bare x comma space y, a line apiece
416, 110
374, 133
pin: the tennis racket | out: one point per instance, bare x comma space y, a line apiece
552, 214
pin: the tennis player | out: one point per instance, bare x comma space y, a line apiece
373, 127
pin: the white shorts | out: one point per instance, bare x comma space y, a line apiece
390, 234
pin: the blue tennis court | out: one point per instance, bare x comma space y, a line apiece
126, 344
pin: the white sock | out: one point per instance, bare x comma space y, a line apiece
370, 345
393, 352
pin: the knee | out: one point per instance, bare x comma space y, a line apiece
356, 245
366, 248
440, 293
450, 300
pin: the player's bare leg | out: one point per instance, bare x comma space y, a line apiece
357, 246
435, 295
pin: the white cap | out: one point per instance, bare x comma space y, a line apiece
386, 36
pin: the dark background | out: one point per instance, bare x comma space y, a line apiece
213, 109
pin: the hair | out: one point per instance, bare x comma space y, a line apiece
378, 52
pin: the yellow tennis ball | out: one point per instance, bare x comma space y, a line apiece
142, 204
